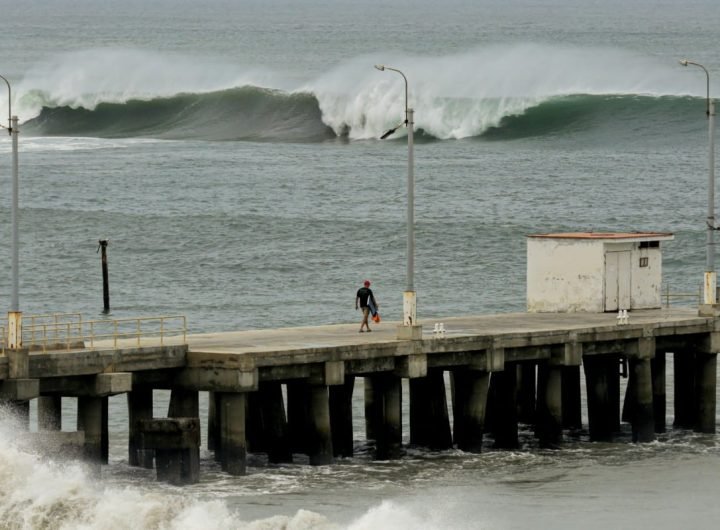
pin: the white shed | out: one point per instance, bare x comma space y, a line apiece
594, 272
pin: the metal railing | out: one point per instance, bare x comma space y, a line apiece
69, 331
689, 298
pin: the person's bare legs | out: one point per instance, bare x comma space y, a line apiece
366, 313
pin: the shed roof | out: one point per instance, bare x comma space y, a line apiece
625, 236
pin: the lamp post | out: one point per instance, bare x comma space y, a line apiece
410, 329
14, 337
710, 278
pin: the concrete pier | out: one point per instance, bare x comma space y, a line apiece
290, 390
429, 420
470, 392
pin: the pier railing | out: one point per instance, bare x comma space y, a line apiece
680, 298
69, 331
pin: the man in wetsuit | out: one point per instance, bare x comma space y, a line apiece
364, 299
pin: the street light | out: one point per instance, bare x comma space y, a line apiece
710, 279
14, 338
410, 329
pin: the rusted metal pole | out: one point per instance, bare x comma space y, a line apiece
106, 287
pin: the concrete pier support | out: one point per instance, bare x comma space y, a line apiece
384, 414
213, 422
470, 394
373, 408
503, 408
658, 367
140, 407
298, 411
320, 435
90, 421
255, 431
341, 417
429, 420
185, 404
549, 405
526, 391
49, 410
571, 398
230, 447
105, 434
684, 389
706, 381
175, 442
640, 400
275, 426
602, 381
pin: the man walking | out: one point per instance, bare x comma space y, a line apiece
365, 299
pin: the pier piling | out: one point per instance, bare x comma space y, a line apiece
140, 407
429, 420
320, 436
470, 395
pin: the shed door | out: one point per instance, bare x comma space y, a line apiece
617, 280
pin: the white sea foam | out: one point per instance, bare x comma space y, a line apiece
38, 493
454, 96
462, 95
86, 78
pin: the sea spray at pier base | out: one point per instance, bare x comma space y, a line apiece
36, 492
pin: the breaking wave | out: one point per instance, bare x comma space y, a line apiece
496, 92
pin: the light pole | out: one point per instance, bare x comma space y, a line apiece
410, 329
710, 279
14, 337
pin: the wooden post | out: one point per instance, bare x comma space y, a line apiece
470, 393
106, 282
341, 417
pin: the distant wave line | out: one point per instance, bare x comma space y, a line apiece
252, 113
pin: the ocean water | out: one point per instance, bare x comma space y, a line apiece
229, 151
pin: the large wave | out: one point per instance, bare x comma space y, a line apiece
507, 92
